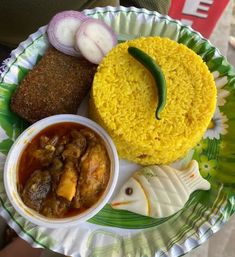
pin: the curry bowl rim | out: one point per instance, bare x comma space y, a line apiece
11, 169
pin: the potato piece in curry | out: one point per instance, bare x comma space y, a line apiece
63, 171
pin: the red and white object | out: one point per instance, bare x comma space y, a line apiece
202, 15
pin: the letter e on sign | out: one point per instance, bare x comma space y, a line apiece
198, 8
201, 14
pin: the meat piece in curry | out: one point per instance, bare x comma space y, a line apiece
36, 189
64, 170
94, 165
54, 206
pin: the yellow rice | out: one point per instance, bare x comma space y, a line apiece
124, 100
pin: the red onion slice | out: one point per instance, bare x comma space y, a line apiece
62, 29
95, 39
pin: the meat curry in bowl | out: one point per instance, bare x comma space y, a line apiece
61, 172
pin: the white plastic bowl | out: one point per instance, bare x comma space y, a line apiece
11, 169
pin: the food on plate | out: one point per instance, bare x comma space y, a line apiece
63, 170
74, 33
95, 39
61, 31
56, 85
68, 181
124, 100
157, 74
159, 191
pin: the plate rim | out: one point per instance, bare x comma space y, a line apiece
31, 39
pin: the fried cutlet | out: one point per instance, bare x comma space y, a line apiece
56, 85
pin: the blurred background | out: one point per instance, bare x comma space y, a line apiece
214, 19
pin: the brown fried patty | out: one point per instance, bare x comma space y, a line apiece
56, 85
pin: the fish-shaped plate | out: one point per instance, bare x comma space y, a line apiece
159, 191
122, 233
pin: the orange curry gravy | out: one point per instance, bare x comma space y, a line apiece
63, 170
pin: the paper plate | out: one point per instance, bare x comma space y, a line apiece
121, 233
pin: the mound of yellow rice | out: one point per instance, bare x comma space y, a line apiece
124, 98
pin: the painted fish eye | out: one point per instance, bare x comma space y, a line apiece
129, 191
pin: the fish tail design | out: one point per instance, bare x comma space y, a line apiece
192, 178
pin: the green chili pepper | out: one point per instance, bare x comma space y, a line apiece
156, 72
